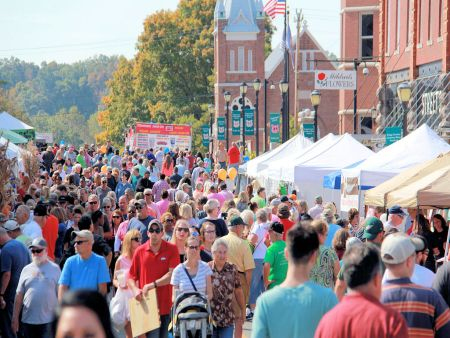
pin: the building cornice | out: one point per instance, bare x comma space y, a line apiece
360, 9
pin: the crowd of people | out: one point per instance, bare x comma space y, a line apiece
101, 226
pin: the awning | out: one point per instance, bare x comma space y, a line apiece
13, 137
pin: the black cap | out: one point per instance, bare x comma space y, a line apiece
235, 221
63, 199
277, 227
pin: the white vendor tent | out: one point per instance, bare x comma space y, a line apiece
295, 145
342, 153
421, 145
9, 122
13, 151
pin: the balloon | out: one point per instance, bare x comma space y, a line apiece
222, 174
104, 169
103, 149
232, 172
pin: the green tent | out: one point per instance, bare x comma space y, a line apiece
13, 137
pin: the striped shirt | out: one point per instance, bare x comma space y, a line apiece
424, 309
181, 280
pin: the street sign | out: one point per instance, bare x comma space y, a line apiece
393, 134
275, 128
249, 122
221, 128
308, 130
335, 79
205, 135
235, 123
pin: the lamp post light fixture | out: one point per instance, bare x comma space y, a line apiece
315, 102
257, 87
284, 87
243, 89
404, 94
227, 97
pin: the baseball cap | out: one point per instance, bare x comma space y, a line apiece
141, 203
396, 248
147, 172
104, 179
419, 242
157, 223
284, 199
275, 202
40, 210
63, 199
318, 199
187, 172
39, 243
11, 225
86, 234
372, 227
277, 227
396, 210
235, 221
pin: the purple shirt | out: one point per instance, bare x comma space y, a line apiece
158, 188
163, 205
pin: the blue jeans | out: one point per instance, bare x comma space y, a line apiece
257, 284
223, 332
162, 332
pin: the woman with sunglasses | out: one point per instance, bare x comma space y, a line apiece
207, 236
180, 236
193, 275
107, 208
131, 242
122, 229
168, 222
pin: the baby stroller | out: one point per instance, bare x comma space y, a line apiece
191, 316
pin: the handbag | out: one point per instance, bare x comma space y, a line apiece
190, 278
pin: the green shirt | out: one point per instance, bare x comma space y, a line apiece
278, 263
260, 201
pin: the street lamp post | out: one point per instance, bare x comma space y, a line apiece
227, 97
284, 87
315, 101
257, 87
404, 94
211, 140
243, 89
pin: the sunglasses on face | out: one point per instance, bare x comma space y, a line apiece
131, 212
136, 239
107, 207
169, 220
148, 194
183, 229
154, 230
193, 247
138, 207
116, 217
79, 242
93, 203
36, 251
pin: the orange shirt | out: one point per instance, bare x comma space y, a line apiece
50, 234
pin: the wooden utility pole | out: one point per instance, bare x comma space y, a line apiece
299, 19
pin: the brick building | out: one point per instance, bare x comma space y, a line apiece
239, 40
410, 43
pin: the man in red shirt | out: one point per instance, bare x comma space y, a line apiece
49, 225
360, 314
234, 156
151, 268
283, 214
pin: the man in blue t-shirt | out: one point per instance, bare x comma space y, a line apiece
295, 307
85, 270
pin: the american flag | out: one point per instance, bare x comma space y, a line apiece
274, 7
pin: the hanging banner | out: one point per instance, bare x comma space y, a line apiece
335, 79
236, 123
275, 128
221, 128
249, 122
308, 131
205, 135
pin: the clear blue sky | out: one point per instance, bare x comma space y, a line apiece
69, 31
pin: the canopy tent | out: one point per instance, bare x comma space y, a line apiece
343, 152
9, 122
293, 146
430, 190
333, 179
14, 151
13, 137
282, 169
378, 195
421, 145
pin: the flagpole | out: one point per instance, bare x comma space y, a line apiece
285, 128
